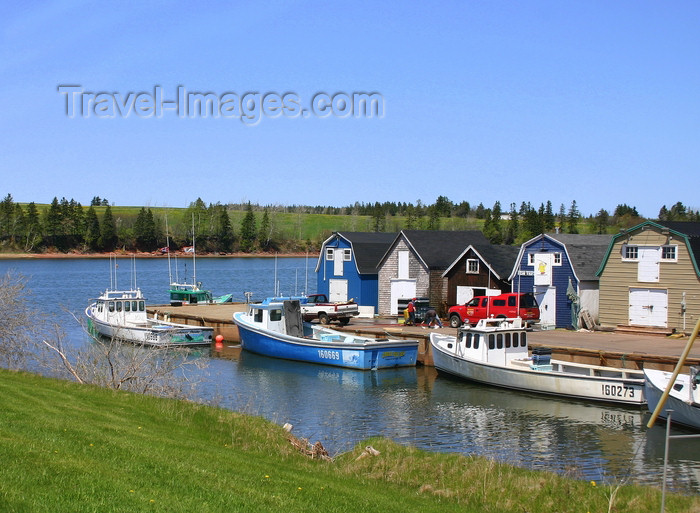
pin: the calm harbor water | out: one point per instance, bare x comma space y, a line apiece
412, 406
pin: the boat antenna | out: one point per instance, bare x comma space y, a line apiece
306, 278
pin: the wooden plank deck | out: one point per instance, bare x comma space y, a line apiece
598, 347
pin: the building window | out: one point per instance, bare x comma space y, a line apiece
557, 258
329, 253
472, 266
530, 259
347, 255
630, 252
669, 253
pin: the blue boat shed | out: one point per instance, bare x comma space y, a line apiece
560, 270
347, 266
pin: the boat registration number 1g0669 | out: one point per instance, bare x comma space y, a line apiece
329, 355
617, 390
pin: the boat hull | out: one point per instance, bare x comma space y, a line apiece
363, 356
684, 412
595, 388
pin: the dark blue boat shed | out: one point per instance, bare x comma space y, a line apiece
559, 270
347, 266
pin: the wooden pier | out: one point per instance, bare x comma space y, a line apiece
612, 349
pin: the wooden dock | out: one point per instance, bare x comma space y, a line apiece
217, 316
623, 350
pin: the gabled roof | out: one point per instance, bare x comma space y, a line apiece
367, 247
497, 257
585, 252
437, 249
690, 235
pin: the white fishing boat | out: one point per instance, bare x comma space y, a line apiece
121, 315
683, 397
275, 328
495, 352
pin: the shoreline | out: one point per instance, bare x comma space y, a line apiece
57, 256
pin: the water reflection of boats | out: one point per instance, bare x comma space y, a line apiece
284, 369
583, 439
473, 397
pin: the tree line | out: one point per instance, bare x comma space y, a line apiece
65, 225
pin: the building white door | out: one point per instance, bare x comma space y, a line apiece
543, 268
649, 307
465, 293
337, 290
403, 265
648, 267
338, 262
547, 299
401, 289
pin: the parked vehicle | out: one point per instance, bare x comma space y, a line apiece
317, 306
512, 304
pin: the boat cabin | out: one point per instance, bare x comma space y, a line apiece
493, 341
188, 294
279, 316
120, 304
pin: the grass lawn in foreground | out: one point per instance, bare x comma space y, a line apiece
72, 448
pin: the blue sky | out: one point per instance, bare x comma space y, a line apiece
483, 101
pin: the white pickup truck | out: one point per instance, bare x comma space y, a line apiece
317, 306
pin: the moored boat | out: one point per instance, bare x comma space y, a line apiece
189, 293
121, 315
683, 397
275, 328
495, 352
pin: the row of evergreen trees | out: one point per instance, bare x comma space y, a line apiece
66, 225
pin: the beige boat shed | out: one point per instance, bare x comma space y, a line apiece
650, 277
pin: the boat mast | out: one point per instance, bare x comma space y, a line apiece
194, 257
167, 245
133, 272
113, 265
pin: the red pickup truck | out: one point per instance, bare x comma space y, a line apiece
523, 305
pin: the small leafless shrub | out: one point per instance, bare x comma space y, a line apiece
29, 341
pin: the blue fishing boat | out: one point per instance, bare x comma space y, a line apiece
275, 328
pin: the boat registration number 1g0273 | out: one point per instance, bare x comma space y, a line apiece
617, 390
329, 355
